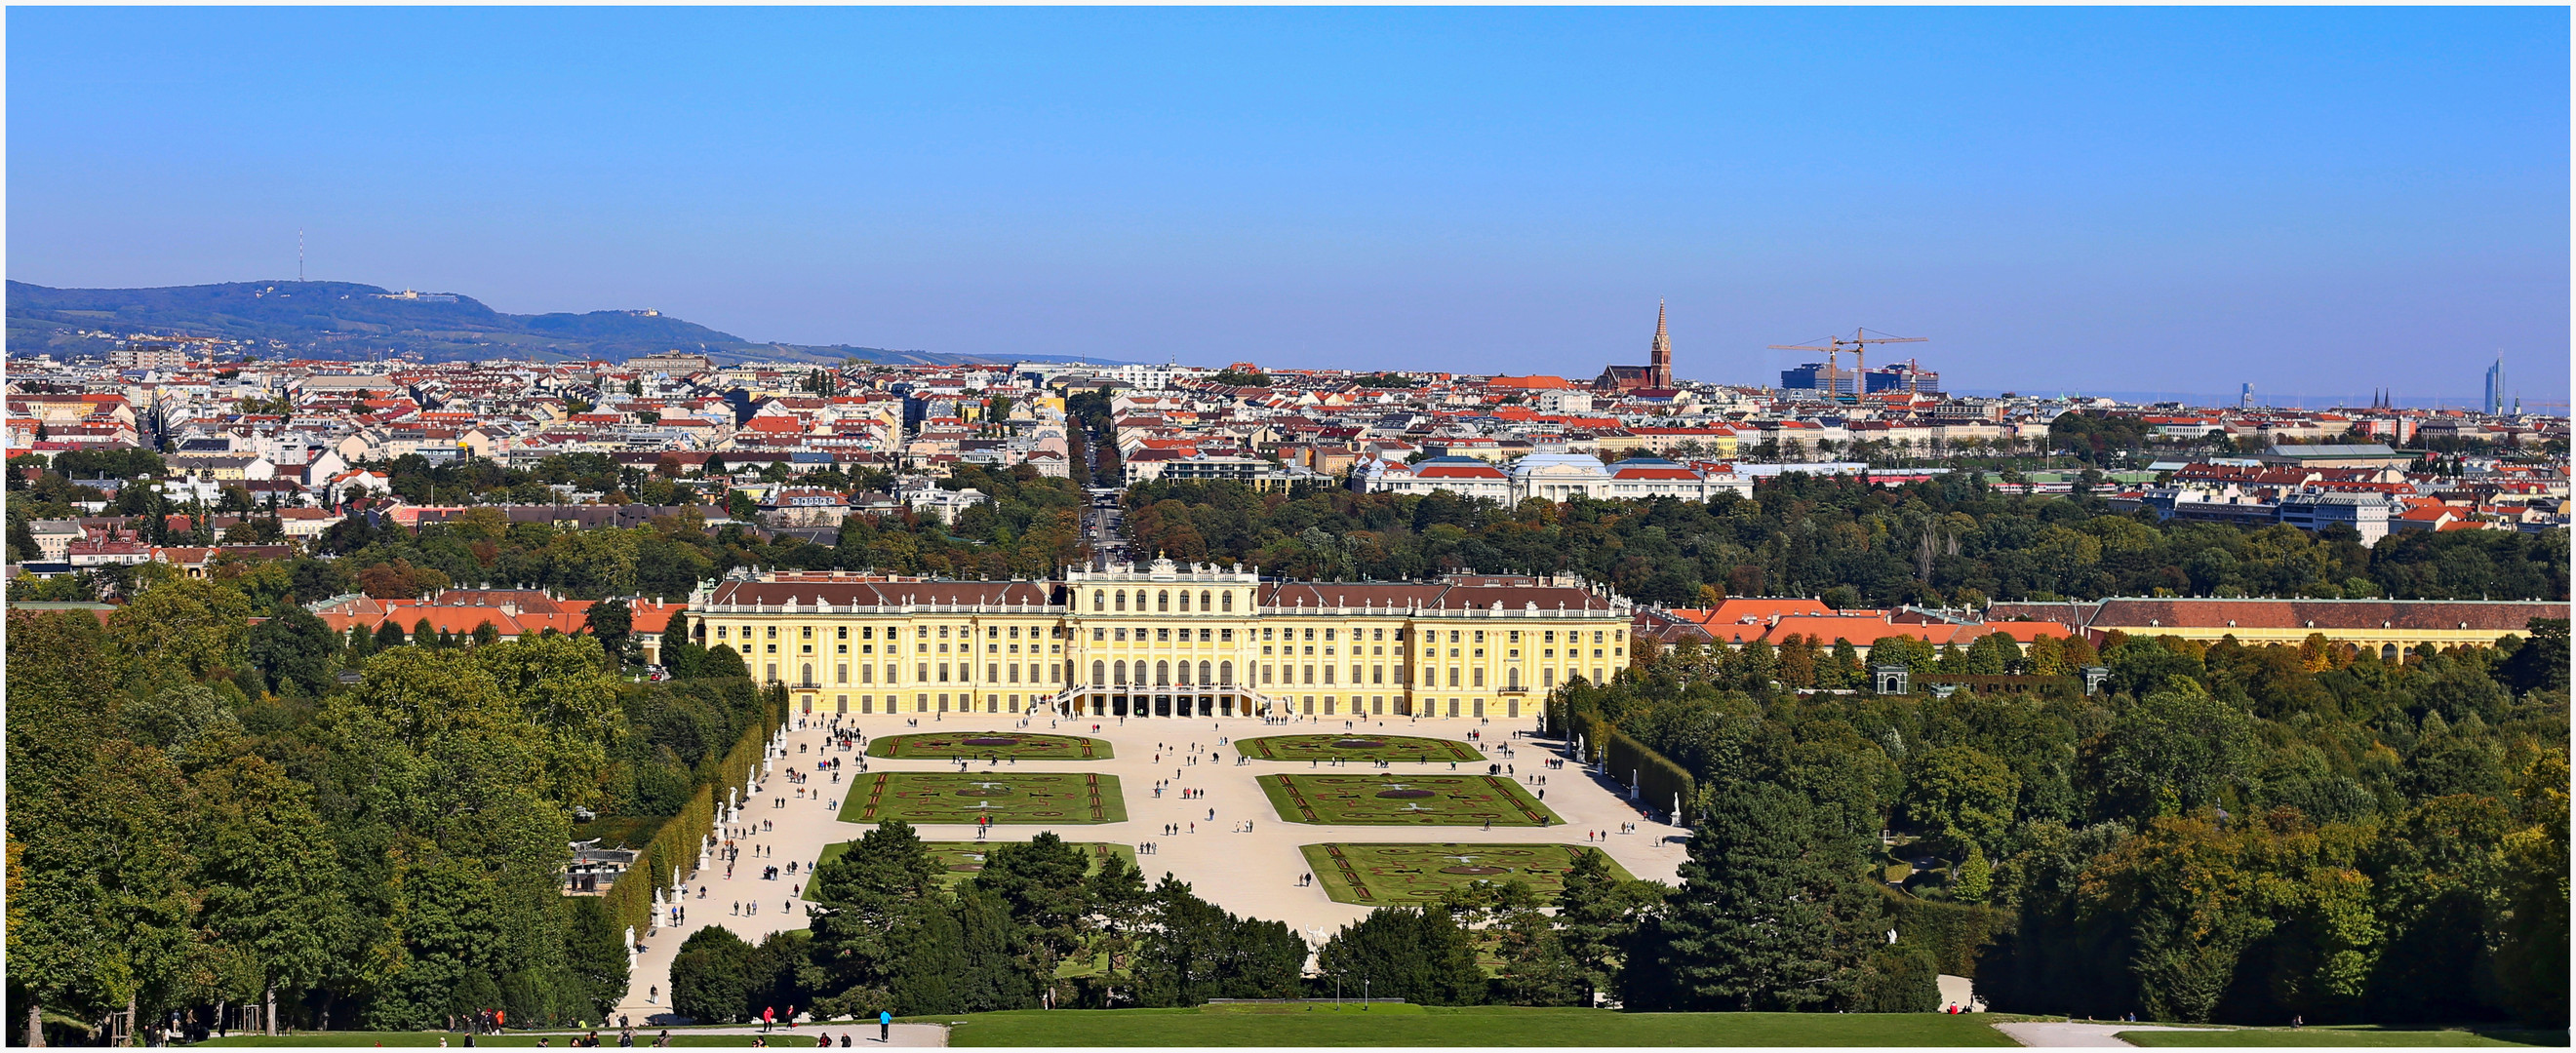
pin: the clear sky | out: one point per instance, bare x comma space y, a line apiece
2313, 200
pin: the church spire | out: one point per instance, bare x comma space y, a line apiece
1660, 364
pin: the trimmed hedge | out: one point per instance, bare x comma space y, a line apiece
630, 900
1658, 777
1953, 932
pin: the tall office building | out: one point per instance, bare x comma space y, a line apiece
2495, 385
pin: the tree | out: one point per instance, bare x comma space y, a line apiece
998, 972
1417, 954
2531, 929
1597, 916
1901, 978
293, 649
176, 716
866, 902
613, 623
594, 951
193, 624
1041, 885
2168, 753
1769, 917
389, 634
1961, 795
711, 976
723, 661
1189, 951
1976, 877
271, 876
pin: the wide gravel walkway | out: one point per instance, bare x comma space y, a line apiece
2045, 1033
1253, 874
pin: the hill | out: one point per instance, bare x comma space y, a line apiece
353, 321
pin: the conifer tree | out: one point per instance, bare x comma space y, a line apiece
1769, 916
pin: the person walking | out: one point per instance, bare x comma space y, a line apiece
885, 1026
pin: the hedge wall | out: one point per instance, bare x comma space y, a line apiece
1658, 778
630, 900
1953, 932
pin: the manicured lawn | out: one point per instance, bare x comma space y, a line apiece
1006, 796
1398, 799
1381, 874
959, 860
1402, 749
1397, 1025
2356, 1035
1004, 746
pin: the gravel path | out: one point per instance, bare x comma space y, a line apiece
1253, 874
2044, 1033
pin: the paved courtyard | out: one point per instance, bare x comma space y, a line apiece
1209, 792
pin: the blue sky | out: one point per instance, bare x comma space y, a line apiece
2312, 200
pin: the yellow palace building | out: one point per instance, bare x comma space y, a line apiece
1164, 640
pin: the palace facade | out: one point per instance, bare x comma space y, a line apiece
1164, 640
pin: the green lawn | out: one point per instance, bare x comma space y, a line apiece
1003, 746
1402, 749
1403, 1025
1401, 799
2354, 1035
1006, 796
959, 860
1382, 874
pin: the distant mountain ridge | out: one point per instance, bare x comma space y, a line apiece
347, 320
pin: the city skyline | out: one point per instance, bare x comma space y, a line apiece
2063, 195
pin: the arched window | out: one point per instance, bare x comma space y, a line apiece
2388, 652
1185, 666
1162, 674
1099, 600
1163, 601
1122, 599
1099, 674
1512, 677
1225, 673
809, 675
1119, 672
1229, 601
1185, 602
1203, 600
1203, 673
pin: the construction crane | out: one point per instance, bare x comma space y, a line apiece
1858, 345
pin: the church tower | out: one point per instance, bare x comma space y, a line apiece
1660, 366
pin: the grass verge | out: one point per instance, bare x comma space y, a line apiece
1009, 797
1397, 799
1388, 1025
